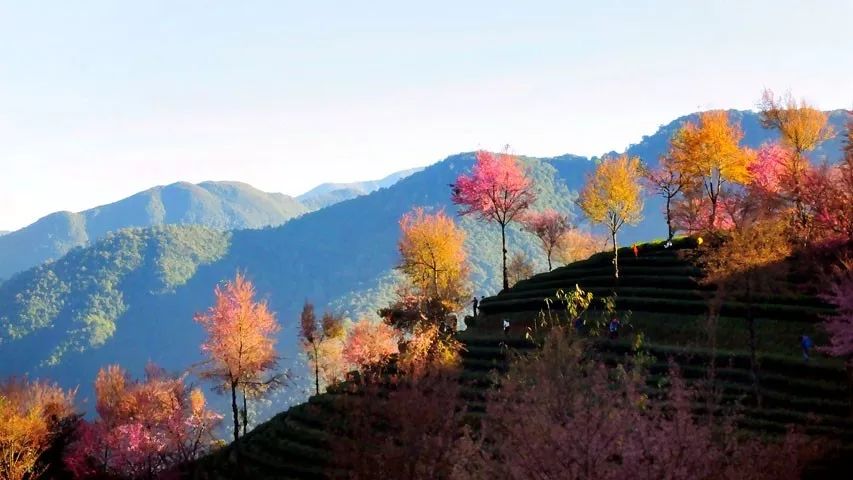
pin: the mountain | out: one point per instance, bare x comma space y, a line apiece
130, 297
327, 194
218, 205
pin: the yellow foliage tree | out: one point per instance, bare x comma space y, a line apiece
433, 257
31, 415
613, 196
708, 156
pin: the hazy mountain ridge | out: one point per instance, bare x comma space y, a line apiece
217, 205
327, 194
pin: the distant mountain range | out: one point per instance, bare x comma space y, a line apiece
130, 297
327, 194
216, 205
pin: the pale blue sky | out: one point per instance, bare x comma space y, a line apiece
99, 100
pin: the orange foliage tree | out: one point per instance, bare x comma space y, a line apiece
577, 244
32, 416
432, 252
613, 196
317, 337
709, 157
240, 345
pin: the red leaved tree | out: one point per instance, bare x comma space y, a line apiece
240, 345
497, 190
549, 226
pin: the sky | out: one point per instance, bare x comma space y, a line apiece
101, 99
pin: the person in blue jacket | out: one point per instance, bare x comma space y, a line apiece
806, 344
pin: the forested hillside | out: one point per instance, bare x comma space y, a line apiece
217, 205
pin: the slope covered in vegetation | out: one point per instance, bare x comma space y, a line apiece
216, 205
300, 442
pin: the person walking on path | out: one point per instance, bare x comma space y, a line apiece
506, 327
475, 302
806, 344
636, 251
613, 328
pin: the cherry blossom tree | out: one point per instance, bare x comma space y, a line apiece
549, 226
497, 190
240, 345
370, 344
143, 427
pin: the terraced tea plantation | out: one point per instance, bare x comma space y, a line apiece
668, 305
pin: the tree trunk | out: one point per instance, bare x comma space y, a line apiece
503, 250
245, 413
615, 255
235, 412
549, 260
669, 219
316, 372
713, 218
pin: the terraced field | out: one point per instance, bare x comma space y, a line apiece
668, 305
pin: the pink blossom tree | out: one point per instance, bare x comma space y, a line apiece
369, 343
497, 190
549, 226
143, 427
767, 170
